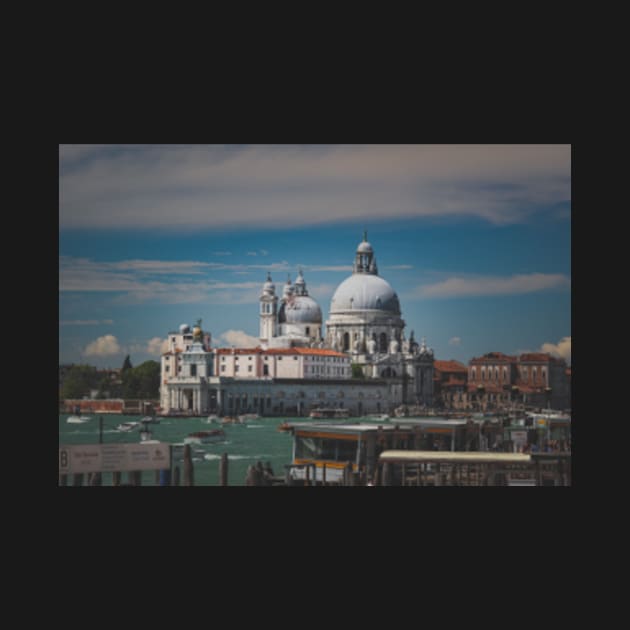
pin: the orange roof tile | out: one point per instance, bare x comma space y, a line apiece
450, 366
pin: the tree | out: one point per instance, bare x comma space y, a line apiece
357, 371
142, 381
127, 364
79, 380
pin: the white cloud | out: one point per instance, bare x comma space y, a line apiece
263, 252
103, 346
455, 341
562, 349
157, 346
238, 339
394, 267
222, 253
473, 286
252, 253
136, 186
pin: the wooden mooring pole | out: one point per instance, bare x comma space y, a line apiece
188, 467
223, 470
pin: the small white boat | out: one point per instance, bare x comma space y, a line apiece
246, 417
205, 437
127, 426
212, 419
78, 419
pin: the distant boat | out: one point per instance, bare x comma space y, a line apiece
78, 419
127, 426
205, 437
329, 413
248, 416
212, 419
149, 420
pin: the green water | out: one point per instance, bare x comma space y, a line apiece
259, 440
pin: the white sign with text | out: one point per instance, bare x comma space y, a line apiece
87, 458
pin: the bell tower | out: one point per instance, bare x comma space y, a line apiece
268, 310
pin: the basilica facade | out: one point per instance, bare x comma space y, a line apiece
298, 365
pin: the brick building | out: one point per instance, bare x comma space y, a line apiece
450, 385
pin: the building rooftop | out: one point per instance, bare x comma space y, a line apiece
450, 366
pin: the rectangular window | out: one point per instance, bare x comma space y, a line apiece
249, 368
223, 368
295, 358
236, 369
222, 358
167, 368
193, 370
279, 358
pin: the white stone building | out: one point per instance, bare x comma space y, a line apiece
365, 321
294, 369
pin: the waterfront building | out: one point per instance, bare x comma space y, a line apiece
296, 367
533, 379
450, 385
366, 322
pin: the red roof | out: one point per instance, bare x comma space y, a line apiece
283, 351
450, 366
535, 356
493, 357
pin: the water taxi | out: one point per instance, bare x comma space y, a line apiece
78, 419
205, 437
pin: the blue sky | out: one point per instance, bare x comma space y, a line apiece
475, 239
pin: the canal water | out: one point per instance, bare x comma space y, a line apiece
258, 440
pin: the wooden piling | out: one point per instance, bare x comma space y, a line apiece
323, 474
96, 479
78, 479
176, 476
156, 478
223, 470
188, 467
386, 474
116, 478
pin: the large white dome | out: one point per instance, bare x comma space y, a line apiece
362, 291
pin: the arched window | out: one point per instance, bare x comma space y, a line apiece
346, 341
382, 343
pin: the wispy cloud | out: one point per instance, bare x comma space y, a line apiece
221, 253
139, 186
157, 346
455, 341
85, 322
473, 286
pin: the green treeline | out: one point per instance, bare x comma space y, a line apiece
142, 381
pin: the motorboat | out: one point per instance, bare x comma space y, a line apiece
78, 419
246, 417
205, 437
127, 426
149, 420
212, 419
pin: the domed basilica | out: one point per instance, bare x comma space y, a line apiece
365, 321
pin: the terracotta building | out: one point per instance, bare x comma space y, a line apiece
450, 385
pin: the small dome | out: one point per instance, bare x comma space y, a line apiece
364, 248
301, 310
184, 328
